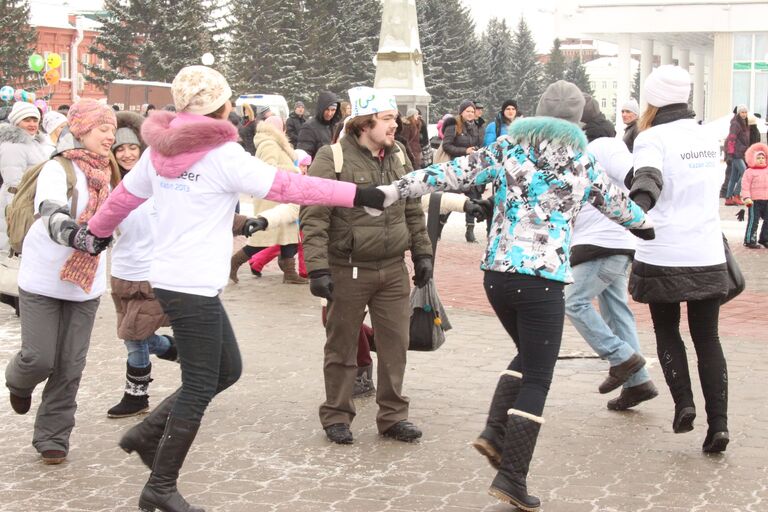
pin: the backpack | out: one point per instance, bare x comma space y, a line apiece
338, 157
20, 213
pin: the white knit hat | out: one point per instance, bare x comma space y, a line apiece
667, 85
631, 106
199, 90
22, 110
52, 120
367, 100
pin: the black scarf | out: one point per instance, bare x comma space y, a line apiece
674, 112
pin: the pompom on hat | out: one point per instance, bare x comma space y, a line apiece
22, 110
199, 90
667, 85
87, 114
367, 100
562, 100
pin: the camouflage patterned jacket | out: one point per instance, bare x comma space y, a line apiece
542, 176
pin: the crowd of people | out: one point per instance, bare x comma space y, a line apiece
575, 213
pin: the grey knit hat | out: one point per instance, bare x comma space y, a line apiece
562, 100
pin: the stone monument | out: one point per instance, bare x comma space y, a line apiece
399, 60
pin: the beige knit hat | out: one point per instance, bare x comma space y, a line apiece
199, 90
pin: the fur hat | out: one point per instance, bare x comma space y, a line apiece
667, 85
128, 129
22, 110
508, 103
752, 152
52, 120
87, 114
631, 106
199, 90
562, 100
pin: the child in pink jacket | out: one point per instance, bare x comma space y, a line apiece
754, 192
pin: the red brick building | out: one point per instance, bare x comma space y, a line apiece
69, 35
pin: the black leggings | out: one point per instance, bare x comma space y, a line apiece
286, 251
713, 373
532, 311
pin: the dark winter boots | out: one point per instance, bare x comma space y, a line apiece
364, 382
490, 442
235, 263
470, 234
160, 493
510, 485
135, 398
144, 437
290, 276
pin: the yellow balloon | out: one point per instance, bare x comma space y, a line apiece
53, 60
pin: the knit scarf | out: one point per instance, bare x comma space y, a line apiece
80, 267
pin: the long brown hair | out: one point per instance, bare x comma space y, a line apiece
647, 117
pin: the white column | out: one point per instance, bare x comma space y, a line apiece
698, 85
623, 77
666, 54
684, 58
646, 65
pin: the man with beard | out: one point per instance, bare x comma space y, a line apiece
356, 260
318, 131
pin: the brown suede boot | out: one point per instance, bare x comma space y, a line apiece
237, 260
290, 276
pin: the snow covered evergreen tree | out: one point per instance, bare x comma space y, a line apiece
322, 47
116, 45
360, 25
636, 85
17, 43
526, 70
554, 69
494, 65
577, 74
451, 54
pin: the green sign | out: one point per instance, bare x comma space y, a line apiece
742, 66
761, 66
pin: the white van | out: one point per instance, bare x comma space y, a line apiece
275, 102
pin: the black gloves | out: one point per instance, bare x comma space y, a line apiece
371, 197
253, 225
644, 234
480, 209
321, 284
83, 240
643, 200
422, 271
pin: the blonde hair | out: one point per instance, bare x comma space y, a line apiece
647, 117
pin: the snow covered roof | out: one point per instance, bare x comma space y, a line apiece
140, 82
55, 15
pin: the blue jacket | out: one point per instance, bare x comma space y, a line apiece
490, 131
542, 176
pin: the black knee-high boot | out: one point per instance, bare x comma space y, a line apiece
490, 442
714, 386
160, 492
144, 437
674, 364
510, 484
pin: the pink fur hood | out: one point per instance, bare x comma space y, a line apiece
178, 141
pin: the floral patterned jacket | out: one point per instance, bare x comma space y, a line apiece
541, 176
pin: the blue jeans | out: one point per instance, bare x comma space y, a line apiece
139, 350
612, 332
738, 166
208, 353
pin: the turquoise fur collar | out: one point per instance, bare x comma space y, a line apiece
535, 130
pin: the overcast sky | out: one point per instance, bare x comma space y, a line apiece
539, 18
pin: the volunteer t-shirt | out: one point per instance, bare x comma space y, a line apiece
193, 243
591, 226
134, 248
43, 258
686, 216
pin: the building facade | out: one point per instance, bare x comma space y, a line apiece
604, 78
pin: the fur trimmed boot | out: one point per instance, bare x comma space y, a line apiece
490, 441
135, 399
144, 437
235, 263
290, 276
160, 492
510, 484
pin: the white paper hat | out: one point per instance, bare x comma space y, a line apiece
367, 100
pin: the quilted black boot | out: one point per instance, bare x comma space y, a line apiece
135, 399
144, 437
160, 492
510, 485
490, 441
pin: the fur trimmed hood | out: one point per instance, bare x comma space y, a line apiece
132, 121
267, 132
536, 130
753, 150
178, 141
15, 135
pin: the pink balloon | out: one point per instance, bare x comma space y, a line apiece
17, 94
42, 105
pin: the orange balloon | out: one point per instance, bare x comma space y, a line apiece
52, 76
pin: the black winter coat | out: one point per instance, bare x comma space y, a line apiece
293, 127
317, 132
456, 144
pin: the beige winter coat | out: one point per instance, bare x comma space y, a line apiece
272, 147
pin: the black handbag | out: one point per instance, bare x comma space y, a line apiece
736, 281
